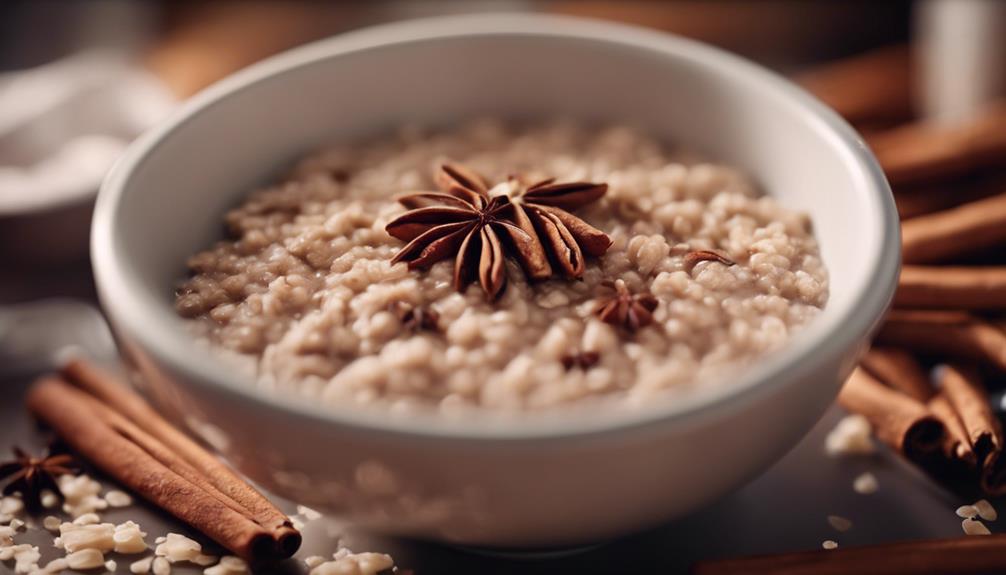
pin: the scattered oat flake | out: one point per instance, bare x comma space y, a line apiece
87, 519
314, 560
967, 512
56, 565
829, 544
985, 510
851, 436
308, 513
865, 484
85, 559
141, 566
78, 537
110, 566
229, 565
161, 566
348, 562
177, 548
204, 560
116, 498
129, 539
973, 527
839, 523
49, 499
51, 523
16, 524
11, 505
26, 558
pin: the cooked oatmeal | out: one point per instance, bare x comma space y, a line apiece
303, 291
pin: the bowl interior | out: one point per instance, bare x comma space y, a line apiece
165, 199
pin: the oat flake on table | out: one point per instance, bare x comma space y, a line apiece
300, 291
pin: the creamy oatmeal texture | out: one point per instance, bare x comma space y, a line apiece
303, 292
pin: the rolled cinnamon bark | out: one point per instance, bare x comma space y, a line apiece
964, 389
956, 334
952, 287
898, 420
960, 556
925, 151
956, 444
869, 88
966, 228
899, 369
119, 397
131, 457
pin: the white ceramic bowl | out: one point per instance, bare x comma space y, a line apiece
555, 480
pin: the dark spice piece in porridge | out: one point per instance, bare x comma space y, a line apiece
618, 306
693, 258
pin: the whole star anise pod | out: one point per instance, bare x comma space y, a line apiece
618, 306
542, 210
478, 224
464, 222
31, 475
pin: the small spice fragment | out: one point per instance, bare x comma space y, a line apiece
416, 318
30, 475
618, 306
693, 258
583, 359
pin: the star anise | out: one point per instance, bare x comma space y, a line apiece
464, 222
618, 306
480, 227
416, 318
30, 475
542, 210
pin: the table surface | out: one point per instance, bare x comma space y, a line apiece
785, 509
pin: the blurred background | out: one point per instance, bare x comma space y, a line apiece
79, 80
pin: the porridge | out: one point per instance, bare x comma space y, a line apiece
449, 269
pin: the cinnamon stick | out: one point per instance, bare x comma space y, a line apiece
899, 369
898, 420
960, 556
966, 228
952, 287
917, 201
956, 334
119, 397
925, 151
869, 88
133, 458
956, 444
963, 388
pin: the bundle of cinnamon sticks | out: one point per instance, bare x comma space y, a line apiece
924, 386
115, 430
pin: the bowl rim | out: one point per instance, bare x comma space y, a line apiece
130, 309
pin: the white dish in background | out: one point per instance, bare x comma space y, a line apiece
547, 481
